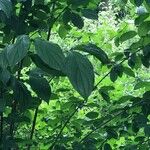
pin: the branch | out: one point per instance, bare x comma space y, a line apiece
110, 70
65, 124
33, 126
109, 120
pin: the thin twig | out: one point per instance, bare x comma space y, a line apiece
65, 124
33, 126
109, 120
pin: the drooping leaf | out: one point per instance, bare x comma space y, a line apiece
95, 51
126, 36
50, 53
43, 66
113, 75
6, 7
21, 94
17, 51
41, 87
77, 20
80, 73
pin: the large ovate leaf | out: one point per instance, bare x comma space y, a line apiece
95, 51
41, 87
80, 73
50, 53
43, 66
16, 52
6, 7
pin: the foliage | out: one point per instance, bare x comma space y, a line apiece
74, 74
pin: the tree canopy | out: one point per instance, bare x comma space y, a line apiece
74, 74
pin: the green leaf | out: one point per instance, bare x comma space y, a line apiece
6, 7
21, 94
78, 2
107, 146
141, 18
41, 87
90, 14
138, 2
92, 115
4, 76
128, 71
50, 53
95, 51
43, 66
2, 105
77, 20
147, 1
144, 28
113, 75
3, 59
142, 84
17, 51
147, 130
80, 73
126, 36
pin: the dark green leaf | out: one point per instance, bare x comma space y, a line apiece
144, 28
77, 20
126, 36
107, 146
95, 51
147, 130
43, 66
41, 87
142, 84
128, 71
90, 14
80, 73
92, 115
6, 7
113, 75
17, 51
138, 2
50, 53
2, 104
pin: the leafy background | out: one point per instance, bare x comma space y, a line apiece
74, 74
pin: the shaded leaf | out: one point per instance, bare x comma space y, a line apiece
95, 51
80, 73
50, 53
17, 51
